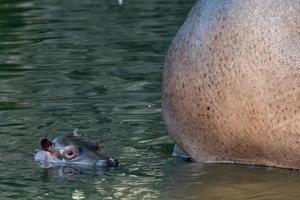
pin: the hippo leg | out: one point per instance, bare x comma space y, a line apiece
180, 153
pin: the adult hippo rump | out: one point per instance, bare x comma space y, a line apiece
231, 85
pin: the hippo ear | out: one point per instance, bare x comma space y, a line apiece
46, 144
97, 146
94, 146
76, 132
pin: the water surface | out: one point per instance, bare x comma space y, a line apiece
97, 66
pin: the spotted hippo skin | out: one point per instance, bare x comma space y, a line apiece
231, 83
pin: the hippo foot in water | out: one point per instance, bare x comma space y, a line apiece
180, 153
72, 150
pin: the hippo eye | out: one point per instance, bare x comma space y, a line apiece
71, 152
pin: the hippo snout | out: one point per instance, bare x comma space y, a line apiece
107, 162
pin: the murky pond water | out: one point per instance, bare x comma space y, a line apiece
97, 66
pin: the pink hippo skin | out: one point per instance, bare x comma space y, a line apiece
231, 83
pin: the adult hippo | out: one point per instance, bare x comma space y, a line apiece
231, 83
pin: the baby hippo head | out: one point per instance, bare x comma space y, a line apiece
74, 150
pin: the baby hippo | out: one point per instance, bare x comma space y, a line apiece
73, 150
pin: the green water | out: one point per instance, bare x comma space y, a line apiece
97, 66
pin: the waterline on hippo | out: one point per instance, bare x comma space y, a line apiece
72, 150
231, 83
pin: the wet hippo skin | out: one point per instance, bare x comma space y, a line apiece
72, 149
231, 83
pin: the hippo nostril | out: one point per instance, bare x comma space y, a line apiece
108, 162
113, 162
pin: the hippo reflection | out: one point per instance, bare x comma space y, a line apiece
72, 150
70, 172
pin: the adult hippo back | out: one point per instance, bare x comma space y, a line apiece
231, 85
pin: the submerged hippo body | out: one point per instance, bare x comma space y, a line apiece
231, 84
72, 150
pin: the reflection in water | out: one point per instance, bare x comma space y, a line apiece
78, 194
229, 182
120, 2
70, 172
67, 172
